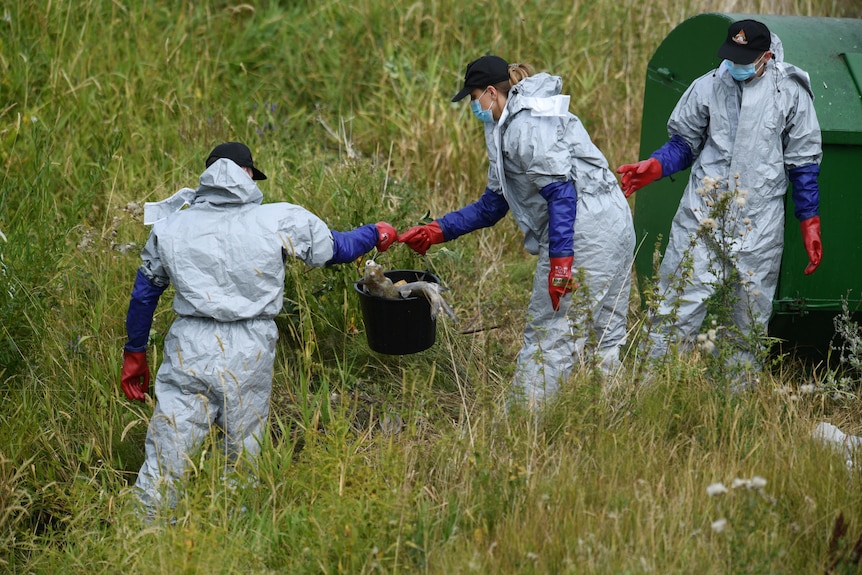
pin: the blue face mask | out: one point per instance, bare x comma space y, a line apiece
741, 72
484, 115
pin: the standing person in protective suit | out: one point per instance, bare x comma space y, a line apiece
753, 117
567, 202
225, 256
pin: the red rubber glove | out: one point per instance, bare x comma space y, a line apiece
636, 176
560, 280
811, 238
135, 379
386, 235
420, 238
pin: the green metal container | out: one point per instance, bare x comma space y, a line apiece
830, 50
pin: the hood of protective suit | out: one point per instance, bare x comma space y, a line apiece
540, 94
776, 47
224, 182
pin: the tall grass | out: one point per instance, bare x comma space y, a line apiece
374, 464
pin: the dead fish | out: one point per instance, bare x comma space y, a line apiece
375, 283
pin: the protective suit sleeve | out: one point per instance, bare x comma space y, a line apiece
806, 191
483, 213
350, 245
675, 155
562, 198
142, 306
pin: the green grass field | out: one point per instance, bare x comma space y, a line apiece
374, 463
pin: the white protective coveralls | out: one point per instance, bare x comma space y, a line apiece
537, 142
225, 256
759, 130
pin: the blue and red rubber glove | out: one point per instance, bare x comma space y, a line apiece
420, 238
135, 378
386, 235
811, 239
560, 280
636, 176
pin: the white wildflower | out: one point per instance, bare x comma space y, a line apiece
710, 333
718, 525
747, 221
755, 482
717, 488
701, 337
806, 389
708, 223
710, 183
708, 346
740, 202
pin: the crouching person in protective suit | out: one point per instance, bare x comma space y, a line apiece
225, 256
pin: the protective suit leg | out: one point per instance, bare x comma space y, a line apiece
547, 356
211, 372
689, 305
245, 389
753, 307
606, 261
178, 426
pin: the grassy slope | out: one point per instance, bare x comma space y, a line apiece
104, 105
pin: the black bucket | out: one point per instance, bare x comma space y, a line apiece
398, 326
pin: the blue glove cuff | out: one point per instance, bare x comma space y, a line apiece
806, 191
675, 155
562, 198
142, 306
483, 213
350, 245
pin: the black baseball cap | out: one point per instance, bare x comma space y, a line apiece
239, 154
746, 40
485, 71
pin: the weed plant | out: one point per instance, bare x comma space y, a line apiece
373, 464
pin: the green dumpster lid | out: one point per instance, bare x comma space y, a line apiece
829, 49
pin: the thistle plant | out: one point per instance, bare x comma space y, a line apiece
730, 349
843, 382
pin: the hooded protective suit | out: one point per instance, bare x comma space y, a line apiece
538, 142
544, 167
225, 256
757, 136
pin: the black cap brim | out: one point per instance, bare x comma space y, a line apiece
465, 91
257, 174
738, 54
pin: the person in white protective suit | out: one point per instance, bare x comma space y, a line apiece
545, 168
225, 256
750, 122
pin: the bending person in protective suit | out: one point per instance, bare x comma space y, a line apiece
225, 256
567, 202
750, 122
